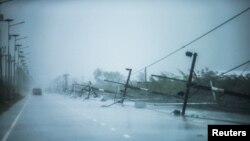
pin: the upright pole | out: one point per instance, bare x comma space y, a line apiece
1, 67
189, 83
9, 37
18, 70
126, 85
145, 71
65, 82
8, 52
14, 69
11, 71
6, 65
14, 65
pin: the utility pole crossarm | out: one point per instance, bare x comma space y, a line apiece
142, 89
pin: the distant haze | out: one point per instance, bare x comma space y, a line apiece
77, 36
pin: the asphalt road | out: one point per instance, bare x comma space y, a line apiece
53, 117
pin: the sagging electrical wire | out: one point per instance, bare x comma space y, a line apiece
191, 42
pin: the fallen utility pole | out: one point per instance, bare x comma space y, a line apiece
87, 88
207, 88
190, 84
94, 88
142, 89
126, 85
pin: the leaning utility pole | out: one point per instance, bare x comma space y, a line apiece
126, 85
189, 83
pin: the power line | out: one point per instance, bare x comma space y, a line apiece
245, 68
236, 67
191, 42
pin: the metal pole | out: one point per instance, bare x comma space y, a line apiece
189, 83
9, 55
145, 74
126, 85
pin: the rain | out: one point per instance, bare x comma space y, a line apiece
122, 70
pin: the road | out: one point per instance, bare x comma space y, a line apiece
54, 117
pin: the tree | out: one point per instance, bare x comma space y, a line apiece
101, 75
98, 73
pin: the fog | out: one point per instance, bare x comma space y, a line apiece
76, 37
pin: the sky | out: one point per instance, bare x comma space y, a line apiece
78, 36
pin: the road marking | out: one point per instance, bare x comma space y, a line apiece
5, 137
102, 124
113, 129
126, 135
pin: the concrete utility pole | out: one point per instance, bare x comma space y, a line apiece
126, 85
189, 83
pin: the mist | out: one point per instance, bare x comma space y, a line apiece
76, 37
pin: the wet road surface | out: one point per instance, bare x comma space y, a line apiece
52, 117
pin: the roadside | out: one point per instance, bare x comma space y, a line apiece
9, 113
5, 105
195, 110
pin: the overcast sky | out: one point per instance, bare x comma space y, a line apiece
78, 36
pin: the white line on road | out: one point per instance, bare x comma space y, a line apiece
5, 137
126, 135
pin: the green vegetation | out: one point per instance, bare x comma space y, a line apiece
168, 90
233, 82
7, 96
